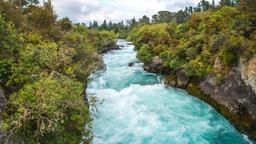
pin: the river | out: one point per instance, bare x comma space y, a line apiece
134, 107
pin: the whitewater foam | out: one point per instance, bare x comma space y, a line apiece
138, 109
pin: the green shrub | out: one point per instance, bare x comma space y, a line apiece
50, 110
218, 79
229, 58
145, 53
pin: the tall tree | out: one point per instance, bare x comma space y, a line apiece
198, 8
95, 24
104, 25
90, 25
132, 22
205, 5
190, 10
154, 18
110, 25
65, 24
227, 3
165, 16
144, 20
23, 3
213, 4
180, 16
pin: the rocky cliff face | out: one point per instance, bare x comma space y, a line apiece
248, 71
2, 98
2, 104
156, 66
234, 97
238, 98
232, 93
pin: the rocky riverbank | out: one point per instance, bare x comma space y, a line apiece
108, 46
2, 104
233, 95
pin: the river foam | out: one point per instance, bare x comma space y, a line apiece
136, 108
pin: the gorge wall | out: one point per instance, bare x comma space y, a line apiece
234, 97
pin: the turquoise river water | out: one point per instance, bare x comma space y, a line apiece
134, 107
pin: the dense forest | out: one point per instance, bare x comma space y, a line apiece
44, 64
210, 40
46, 61
226, 31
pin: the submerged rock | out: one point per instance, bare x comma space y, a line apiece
130, 64
129, 43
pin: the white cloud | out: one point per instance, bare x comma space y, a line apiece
115, 10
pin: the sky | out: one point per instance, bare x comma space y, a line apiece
85, 11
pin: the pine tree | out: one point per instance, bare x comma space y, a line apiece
213, 4
95, 25
104, 25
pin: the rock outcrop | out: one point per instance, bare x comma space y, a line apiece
232, 93
2, 104
248, 71
156, 66
234, 97
2, 98
108, 47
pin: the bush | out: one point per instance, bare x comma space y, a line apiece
229, 58
218, 79
145, 53
5, 71
50, 110
43, 67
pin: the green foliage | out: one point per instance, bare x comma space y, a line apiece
150, 34
218, 79
144, 20
9, 45
145, 53
11, 13
198, 67
50, 110
107, 38
9, 39
44, 64
65, 24
228, 57
5, 71
193, 46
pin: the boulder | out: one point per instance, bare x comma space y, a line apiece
129, 43
130, 64
108, 48
156, 66
182, 79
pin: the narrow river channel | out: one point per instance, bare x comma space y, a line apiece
135, 108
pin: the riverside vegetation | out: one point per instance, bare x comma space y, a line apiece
206, 41
44, 64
